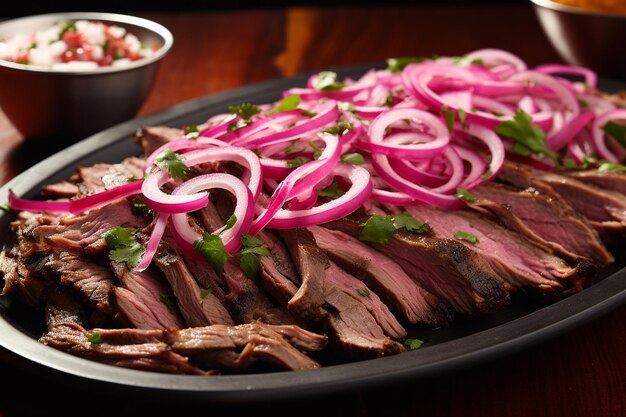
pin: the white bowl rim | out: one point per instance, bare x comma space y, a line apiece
160, 30
558, 7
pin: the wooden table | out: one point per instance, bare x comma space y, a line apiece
582, 373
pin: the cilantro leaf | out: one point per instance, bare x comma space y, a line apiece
410, 223
616, 131
449, 116
229, 223
340, 128
139, 207
466, 236
296, 162
396, 65
377, 229
173, 163
293, 148
288, 103
363, 292
465, 195
249, 241
95, 338
332, 191
317, 151
353, 158
205, 292
213, 250
250, 265
245, 110
192, 132
5, 207
327, 81
529, 137
124, 246
610, 166
167, 300
413, 344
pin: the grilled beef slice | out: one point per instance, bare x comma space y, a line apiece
457, 275
521, 263
545, 220
278, 275
604, 209
609, 180
150, 138
22, 281
353, 328
386, 277
198, 308
84, 232
101, 176
145, 291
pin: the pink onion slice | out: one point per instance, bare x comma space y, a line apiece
158, 230
162, 202
244, 208
599, 141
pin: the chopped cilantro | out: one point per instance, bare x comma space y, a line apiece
466, 236
486, 175
346, 106
192, 132
332, 191
5, 207
396, 65
413, 344
213, 250
173, 163
308, 113
340, 128
410, 223
288, 103
253, 247
95, 338
377, 229
204, 292
616, 131
327, 81
610, 166
464, 195
363, 292
529, 137
245, 110
449, 116
124, 246
317, 151
139, 207
167, 301
229, 223
293, 148
296, 162
353, 158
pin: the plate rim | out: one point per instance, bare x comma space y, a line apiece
539, 326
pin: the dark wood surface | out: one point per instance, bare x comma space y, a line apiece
582, 373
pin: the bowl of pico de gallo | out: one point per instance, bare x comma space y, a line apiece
65, 76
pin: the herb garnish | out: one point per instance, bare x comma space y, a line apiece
380, 229
616, 131
139, 207
5, 207
611, 167
327, 81
192, 132
528, 137
464, 195
205, 292
296, 162
396, 65
124, 246
95, 338
173, 163
353, 158
466, 236
211, 247
245, 110
253, 247
413, 344
332, 191
167, 301
288, 103
339, 129
363, 292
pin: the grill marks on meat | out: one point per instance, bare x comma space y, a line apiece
609, 180
444, 267
513, 257
321, 298
84, 232
385, 276
144, 291
545, 220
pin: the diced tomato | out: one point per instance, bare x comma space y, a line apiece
73, 39
69, 56
23, 57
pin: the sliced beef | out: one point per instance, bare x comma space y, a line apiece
278, 275
247, 302
319, 299
521, 263
101, 176
61, 189
545, 220
198, 308
386, 277
445, 267
136, 313
150, 138
604, 209
84, 232
148, 290
91, 280
22, 282
610, 180
251, 342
